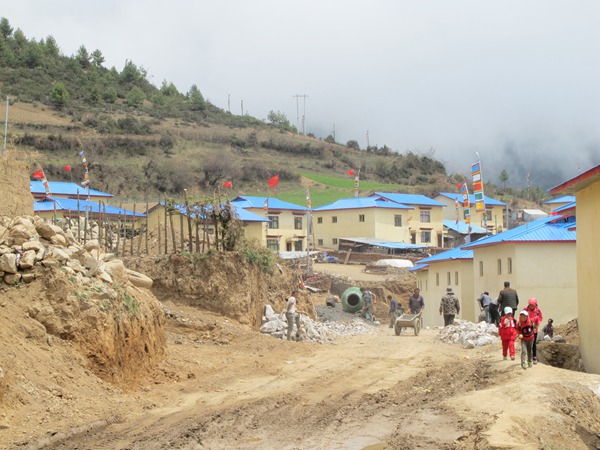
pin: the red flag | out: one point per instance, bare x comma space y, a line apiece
38, 174
273, 181
458, 186
67, 168
351, 172
228, 184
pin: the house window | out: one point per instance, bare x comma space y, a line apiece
297, 223
320, 242
298, 246
437, 279
448, 279
334, 219
509, 264
319, 220
456, 278
273, 244
274, 222
334, 241
499, 267
480, 268
425, 237
361, 217
488, 215
425, 216
397, 220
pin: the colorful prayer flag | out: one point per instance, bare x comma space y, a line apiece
273, 181
308, 204
478, 188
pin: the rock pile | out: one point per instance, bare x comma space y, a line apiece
469, 334
311, 330
28, 243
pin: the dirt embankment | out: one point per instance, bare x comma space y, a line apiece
16, 195
222, 283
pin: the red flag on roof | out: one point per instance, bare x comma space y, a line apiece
67, 168
228, 184
351, 172
273, 181
38, 174
458, 186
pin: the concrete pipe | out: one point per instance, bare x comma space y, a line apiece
352, 300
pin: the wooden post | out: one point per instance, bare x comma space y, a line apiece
118, 234
166, 230
99, 222
190, 240
54, 215
181, 244
159, 242
85, 225
78, 219
197, 235
147, 228
132, 231
172, 231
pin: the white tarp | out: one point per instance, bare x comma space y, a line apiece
400, 263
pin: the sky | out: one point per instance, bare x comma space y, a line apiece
515, 84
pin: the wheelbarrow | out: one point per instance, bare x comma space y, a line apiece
408, 321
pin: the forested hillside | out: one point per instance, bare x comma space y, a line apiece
142, 140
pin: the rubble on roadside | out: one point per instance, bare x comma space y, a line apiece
338, 323
28, 244
469, 334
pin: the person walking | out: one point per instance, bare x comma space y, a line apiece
416, 303
535, 315
484, 303
292, 314
393, 310
507, 330
494, 311
449, 306
508, 297
367, 297
525, 329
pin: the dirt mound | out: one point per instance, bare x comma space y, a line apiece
222, 283
569, 331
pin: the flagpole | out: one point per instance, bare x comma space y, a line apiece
308, 222
6, 127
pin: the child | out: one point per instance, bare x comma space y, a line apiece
548, 330
526, 334
507, 329
535, 315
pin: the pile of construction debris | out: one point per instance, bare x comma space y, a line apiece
469, 334
28, 244
311, 330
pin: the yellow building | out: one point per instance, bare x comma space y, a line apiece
425, 222
361, 217
495, 211
586, 188
286, 227
452, 268
538, 259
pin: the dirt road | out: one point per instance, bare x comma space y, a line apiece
235, 388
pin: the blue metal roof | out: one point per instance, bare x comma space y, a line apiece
456, 196
242, 214
463, 228
448, 255
546, 229
246, 201
64, 188
566, 207
418, 267
410, 199
360, 203
563, 199
385, 244
69, 204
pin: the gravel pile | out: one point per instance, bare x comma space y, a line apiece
469, 334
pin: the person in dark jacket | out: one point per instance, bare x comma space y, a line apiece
449, 306
508, 297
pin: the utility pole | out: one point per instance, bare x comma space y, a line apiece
6, 127
304, 96
334, 131
229, 103
368, 145
242, 107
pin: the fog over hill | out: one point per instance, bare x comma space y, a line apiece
515, 82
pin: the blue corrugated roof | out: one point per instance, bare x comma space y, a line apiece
563, 199
565, 207
418, 267
64, 188
547, 229
246, 201
456, 196
462, 227
410, 199
362, 202
66, 204
452, 254
242, 214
